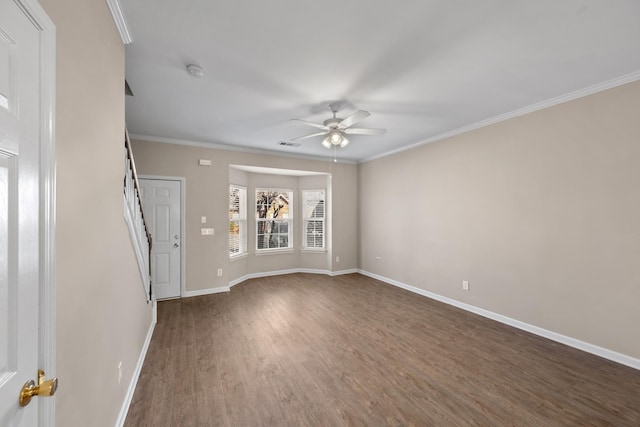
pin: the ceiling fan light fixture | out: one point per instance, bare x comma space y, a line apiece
337, 129
336, 137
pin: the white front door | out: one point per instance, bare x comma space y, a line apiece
161, 204
21, 241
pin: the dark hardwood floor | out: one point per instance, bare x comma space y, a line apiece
312, 350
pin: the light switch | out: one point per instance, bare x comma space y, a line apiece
203, 219
206, 231
204, 162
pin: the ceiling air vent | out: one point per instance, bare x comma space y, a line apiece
289, 144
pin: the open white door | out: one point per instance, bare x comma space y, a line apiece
25, 202
161, 201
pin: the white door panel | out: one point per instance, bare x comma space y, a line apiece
161, 203
19, 211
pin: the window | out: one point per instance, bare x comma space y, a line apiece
313, 217
237, 220
4, 101
274, 217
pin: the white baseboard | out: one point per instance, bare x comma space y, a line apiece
341, 272
199, 292
241, 279
309, 271
275, 273
136, 373
268, 274
238, 281
554, 336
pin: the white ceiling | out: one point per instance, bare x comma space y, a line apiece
423, 68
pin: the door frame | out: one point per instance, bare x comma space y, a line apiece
183, 237
47, 206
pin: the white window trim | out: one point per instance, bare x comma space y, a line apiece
268, 251
243, 236
314, 250
274, 251
303, 235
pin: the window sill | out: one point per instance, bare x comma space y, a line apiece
313, 250
238, 256
274, 251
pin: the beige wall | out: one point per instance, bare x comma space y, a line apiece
206, 194
102, 316
541, 214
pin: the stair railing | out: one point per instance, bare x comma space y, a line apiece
134, 216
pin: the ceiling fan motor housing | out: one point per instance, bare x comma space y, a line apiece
338, 128
332, 122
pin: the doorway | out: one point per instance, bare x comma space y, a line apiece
162, 201
27, 209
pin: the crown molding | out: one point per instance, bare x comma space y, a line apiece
580, 93
218, 146
590, 90
121, 23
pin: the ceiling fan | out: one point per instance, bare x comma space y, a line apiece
337, 129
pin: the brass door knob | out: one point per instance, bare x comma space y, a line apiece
44, 388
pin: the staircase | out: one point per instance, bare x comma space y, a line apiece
134, 217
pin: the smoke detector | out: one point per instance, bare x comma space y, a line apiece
195, 70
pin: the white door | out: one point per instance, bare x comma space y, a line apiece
161, 204
20, 211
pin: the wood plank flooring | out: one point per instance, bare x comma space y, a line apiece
313, 350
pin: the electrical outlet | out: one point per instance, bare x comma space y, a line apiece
219, 272
465, 285
337, 259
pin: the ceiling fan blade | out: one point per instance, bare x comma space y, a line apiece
353, 119
309, 136
362, 131
316, 125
